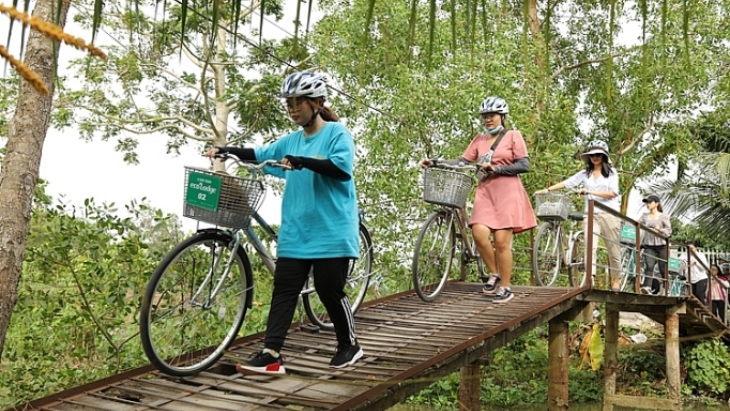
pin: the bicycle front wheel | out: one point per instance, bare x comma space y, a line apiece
195, 303
577, 261
547, 253
434, 255
356, 287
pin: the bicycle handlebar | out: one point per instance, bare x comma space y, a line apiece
251, 165
458, 167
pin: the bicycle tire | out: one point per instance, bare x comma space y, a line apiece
577, 261
178, 325
628, 270
547, 254
356, 287
433, 255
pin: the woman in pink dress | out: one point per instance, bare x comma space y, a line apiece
501, 205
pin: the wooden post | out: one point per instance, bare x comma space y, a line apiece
610, 356
671, 333
558, 354
470, 387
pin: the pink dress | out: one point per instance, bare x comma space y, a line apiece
501, 201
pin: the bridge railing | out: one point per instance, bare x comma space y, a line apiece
676, 279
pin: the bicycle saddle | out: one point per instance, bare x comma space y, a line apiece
576, 216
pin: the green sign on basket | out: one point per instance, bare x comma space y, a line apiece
203, 190
628, 232
674, 264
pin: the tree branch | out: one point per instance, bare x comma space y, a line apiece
173, 75
151, 119
639, 136
563, 69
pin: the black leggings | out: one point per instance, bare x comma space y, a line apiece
653, 256
718, 308
699, 290
330, 275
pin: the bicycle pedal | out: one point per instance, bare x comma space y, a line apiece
309, 328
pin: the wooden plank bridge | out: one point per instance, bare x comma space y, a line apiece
408, 345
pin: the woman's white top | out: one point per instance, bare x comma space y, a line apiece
600, 183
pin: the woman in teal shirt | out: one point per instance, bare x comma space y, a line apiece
319, 222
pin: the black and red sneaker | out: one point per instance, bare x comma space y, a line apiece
262, 363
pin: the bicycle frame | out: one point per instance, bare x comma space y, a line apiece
457, 217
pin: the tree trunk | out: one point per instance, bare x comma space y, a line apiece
19, 174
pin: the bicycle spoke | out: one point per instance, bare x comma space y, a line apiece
195, 300
433, 256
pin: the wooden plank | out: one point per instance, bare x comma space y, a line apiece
644, 403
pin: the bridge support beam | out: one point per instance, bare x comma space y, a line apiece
610, 360
470, 387
558, 355
671, 333
610, 356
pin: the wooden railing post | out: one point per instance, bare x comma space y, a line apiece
558, 355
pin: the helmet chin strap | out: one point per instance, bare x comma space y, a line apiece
315, 113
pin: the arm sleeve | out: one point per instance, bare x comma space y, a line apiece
325, 167
245, 154
521, 165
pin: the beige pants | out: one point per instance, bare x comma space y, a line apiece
607, 226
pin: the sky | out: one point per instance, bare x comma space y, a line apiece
77, 170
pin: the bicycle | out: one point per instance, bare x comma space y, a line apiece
628, 269
198, 295
554, 246
444, 230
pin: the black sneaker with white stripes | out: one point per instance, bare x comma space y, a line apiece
503, 295
345, 355
491, 285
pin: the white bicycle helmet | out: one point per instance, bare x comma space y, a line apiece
304, 84
595, 147
494, 105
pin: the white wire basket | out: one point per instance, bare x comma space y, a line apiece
221, 199
552, 206
446, 187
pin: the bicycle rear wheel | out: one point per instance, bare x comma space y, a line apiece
356, 287
547, 253
628, 270
434, 255
182, 313
577, 261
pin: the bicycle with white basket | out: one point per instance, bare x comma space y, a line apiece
554, 246
444, 231
198, 295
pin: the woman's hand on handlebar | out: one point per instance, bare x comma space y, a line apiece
426, 163
487, 168
543, 191
211, 153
